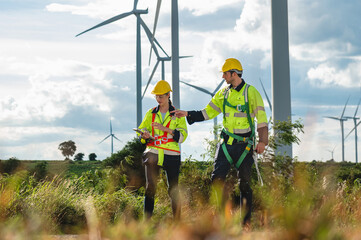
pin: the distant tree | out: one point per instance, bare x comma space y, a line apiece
9, 166
92, 157
40, 170
67, 148
79, 157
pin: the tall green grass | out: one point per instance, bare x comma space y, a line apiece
304, 202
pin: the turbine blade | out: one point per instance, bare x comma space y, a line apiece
353, 129
116, 138
345, 107
185, 56
149, 35
110, 20
150, 78
104, 139
357, 108
111, 129
135, 4
218, 87
159, 3
334, 118
198, 88
264, 90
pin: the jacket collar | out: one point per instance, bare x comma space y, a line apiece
239, 87
171, 108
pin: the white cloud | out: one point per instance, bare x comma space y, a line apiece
253, 29
321, 51
199, 8
55, 86
328, 74
95, 9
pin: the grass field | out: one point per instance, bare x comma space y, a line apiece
90, 201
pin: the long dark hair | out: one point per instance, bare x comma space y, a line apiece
169, 101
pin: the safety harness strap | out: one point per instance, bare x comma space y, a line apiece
249, 140
158, 140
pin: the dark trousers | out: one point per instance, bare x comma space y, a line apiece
222, 167
171, 165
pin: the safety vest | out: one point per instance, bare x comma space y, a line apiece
239, 109
163, 142
249, 140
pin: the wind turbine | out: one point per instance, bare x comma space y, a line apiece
137, 13
332, 153
341, 119
175, 47
209, 93
110, 135
354, 118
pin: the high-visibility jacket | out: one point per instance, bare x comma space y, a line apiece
235, 121
162, 146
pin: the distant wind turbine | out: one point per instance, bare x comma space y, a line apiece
354, 118
333, 150
209, 93
112, 136
341, 119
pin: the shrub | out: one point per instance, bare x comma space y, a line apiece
40, 170
10, 166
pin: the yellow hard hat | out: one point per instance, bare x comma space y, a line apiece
162, 87
232, 64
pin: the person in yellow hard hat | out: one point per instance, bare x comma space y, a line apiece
240, 103
162, 133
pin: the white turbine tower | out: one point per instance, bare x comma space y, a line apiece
209, 93
281, 87
111, 135
137, 13
342, 119
354, 118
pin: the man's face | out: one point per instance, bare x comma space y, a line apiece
228, 76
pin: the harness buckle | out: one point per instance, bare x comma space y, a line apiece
240, 108
158, 142
164, 139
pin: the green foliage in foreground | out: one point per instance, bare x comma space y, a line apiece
297, 201
311, 197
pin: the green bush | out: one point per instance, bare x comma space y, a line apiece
40, 170
10, 166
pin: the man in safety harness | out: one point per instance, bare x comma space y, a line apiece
240, 103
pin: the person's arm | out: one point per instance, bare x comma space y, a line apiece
263, 139
262, 125
209, 112
145, 126
192, 116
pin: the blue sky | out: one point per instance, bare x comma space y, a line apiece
55, 87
